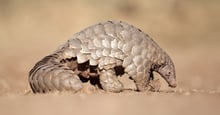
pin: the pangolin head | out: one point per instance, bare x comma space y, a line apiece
167, 71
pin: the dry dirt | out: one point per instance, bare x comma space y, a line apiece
188, 30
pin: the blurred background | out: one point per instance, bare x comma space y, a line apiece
188, 30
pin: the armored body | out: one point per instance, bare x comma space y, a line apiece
104, 50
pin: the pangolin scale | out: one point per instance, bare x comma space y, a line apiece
96, 52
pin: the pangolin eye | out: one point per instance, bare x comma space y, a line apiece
168, 74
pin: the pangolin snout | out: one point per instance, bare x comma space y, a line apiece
173, 85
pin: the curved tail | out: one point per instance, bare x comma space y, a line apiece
51, 74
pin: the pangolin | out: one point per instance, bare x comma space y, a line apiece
104, 50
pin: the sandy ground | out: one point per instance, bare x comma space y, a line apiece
187, 30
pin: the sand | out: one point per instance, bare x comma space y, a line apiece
187, 30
